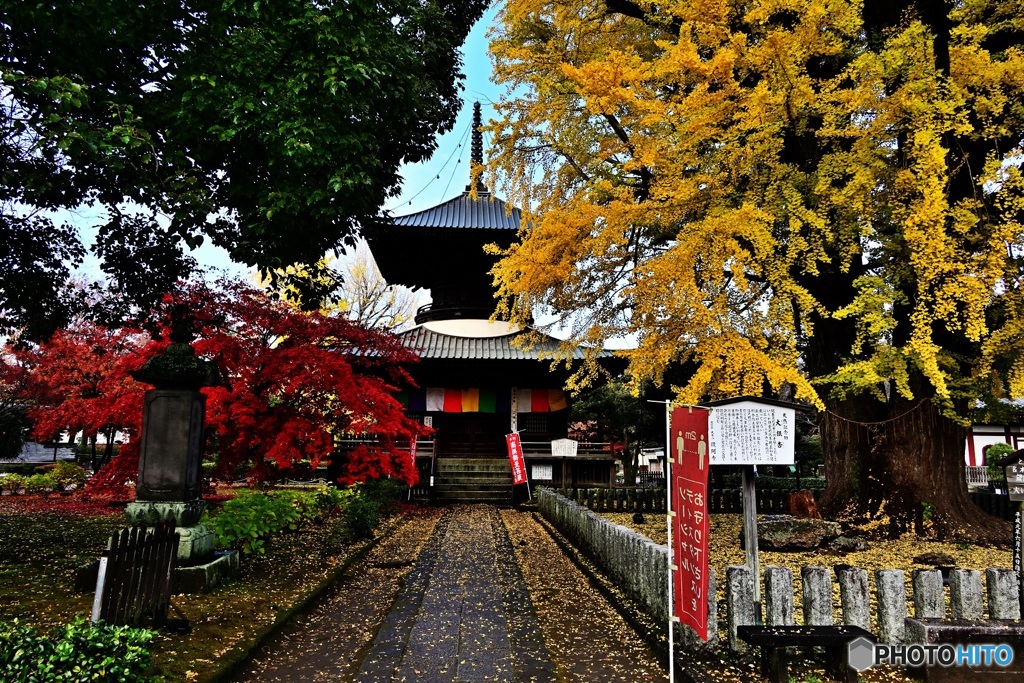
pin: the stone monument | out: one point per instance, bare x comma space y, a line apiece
171, 450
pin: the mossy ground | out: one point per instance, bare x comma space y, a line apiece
41, 546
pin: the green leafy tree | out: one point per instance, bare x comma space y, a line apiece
620, 416
272, 129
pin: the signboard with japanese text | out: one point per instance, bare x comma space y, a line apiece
515, 458
751, 433
566, 447
1015, 481
542, 472
688, 444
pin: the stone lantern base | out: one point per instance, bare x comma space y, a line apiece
196, 541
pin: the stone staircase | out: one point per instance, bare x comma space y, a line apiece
473, 480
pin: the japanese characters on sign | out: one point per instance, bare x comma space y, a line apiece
1015, 481
515, 458
749, 433
689, 448
566, 447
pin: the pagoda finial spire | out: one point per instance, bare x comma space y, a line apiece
477, 150
476, 153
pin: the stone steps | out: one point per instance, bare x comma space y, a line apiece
473, 480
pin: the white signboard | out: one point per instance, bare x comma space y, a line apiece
564, 447
1015, 482
542, 472
751, 433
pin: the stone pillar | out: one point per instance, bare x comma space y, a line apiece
853, 593
168, 485
689, 639
1003, 594
739, 600
929, 600
817, 597
171, 448
778, 596
892, 606
965, 594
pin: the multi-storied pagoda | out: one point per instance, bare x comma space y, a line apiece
475, 384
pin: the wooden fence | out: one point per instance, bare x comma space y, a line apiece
134, 584
769, 501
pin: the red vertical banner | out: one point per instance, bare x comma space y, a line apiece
689, 449
515, 458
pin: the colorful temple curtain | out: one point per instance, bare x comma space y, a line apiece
452, 400
487, 400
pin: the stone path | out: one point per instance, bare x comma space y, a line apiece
464, 614
459, 595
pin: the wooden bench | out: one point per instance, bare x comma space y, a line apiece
773, 642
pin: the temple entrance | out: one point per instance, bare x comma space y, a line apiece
471, 435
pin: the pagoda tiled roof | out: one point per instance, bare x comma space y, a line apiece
429, 344
485, 213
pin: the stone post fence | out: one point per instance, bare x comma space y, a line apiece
639, 567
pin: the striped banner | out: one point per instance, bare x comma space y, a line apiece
488, 400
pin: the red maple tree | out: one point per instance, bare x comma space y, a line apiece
291, 382
80, 382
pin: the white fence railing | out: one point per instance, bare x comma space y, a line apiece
977, 476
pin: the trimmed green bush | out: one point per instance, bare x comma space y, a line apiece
994, 454
250, 519
68, 474
12, 483
734, 481
78, 651
39, 483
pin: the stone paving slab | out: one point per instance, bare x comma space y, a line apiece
464, 615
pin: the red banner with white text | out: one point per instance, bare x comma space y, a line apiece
515, 459
688, 445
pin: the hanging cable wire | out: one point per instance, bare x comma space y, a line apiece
437, 176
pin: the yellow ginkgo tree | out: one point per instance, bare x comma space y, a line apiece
820, 194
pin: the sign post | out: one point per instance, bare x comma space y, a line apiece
752, 431
689, 482
1015, 487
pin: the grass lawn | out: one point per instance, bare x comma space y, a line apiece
43, 542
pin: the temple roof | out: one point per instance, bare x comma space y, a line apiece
429, 344
486, 213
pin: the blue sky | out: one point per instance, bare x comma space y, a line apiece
423, 187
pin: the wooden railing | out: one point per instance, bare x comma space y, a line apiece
977, 476
584, 448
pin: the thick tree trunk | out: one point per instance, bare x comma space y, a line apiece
847, 444
924, 454
897, 465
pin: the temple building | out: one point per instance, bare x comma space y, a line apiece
475, 385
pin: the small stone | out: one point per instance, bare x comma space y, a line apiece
936, 559
791, 534
847, 544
